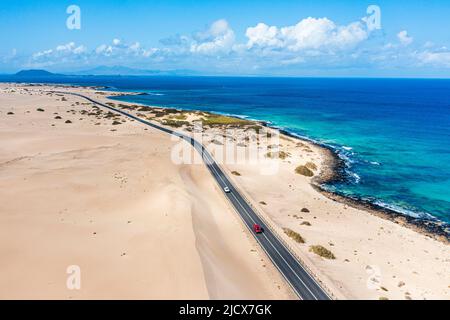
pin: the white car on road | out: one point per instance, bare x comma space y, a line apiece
227, 190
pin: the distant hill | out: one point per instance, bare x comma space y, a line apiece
126, 71
114, 71
107, 71
36, 73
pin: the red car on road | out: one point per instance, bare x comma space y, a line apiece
257, 228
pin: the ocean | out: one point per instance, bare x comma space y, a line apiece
393, 134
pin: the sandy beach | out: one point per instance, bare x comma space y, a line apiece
78, 190
88, 188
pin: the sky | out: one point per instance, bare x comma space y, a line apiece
229, 37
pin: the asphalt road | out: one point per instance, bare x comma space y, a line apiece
303, 284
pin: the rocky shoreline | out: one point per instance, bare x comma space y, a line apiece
333, 171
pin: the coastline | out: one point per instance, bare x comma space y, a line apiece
88, 188
362, 241
333, 171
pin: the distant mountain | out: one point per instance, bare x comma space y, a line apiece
113, 71
108, 71
126, 71
36, 73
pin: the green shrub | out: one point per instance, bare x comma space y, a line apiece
305, 171
255, 128
294, 235
311, 165
322, 251
174, 123
213, 119
179, 117
281, 154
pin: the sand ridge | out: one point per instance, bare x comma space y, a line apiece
80, 190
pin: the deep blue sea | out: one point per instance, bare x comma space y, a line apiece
394, 134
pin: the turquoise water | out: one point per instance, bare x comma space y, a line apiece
394, 135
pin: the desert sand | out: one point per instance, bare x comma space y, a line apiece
64, 183
78, 190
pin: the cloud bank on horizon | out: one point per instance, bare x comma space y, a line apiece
313, 43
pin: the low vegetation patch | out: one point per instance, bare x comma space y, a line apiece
125, 106
159, 113
280, 154
306, 223
311, 165
40, 109
58, 118
294, 235
115, 123
142, 108
305, 210
10, 113
322, 251
110, 114
216, 119
235, 173
304, 171
263, 203
68, 121
174, 123
179, 117
283, 155
215, 141
255, 128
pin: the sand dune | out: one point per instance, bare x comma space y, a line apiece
112, 202
107, 197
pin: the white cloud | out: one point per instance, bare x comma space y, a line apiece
71, 53
404, 38
308, 34
150, 52
263, 35
104, 49
435, 58
310, 43
135, 47
71, 48
219, 38
42, 53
